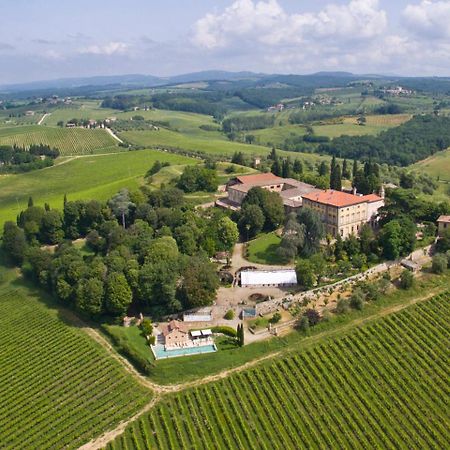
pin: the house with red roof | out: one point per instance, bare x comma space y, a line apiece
344, 213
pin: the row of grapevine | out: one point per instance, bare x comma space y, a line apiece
58, 387
70, 141
383, 385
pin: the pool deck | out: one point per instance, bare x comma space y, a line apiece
160, 353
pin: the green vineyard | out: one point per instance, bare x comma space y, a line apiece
70, 141
58, 388
383, 385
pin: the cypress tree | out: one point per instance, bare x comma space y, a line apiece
345, 170
337, 178
286, 168
298, 166
276, 167
273, 154
65, 199
30, 202
355, 168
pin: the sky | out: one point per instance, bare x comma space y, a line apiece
50, 39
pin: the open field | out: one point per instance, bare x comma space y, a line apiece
207, 144
383, 385
437, 167
263, 249
374, 125
89, 177
277, 135
59, 388
69, 141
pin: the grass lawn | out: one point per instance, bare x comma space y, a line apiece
133, 336
263, 250
90, 177
177, 370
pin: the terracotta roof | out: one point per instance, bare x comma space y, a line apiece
372, 198
335, 198
258, 178
444, 219
173, 325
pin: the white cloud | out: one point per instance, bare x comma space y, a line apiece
107, 49
266, 22
428, 19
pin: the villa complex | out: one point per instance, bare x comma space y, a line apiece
342, 213
290, 190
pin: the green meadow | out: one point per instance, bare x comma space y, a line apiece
87, 177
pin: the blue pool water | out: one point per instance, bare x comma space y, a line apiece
161, 353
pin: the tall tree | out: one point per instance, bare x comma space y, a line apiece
199, 283
121, 204
14, 242
345, 170
118, 294
286, 168
313, 228
355, 168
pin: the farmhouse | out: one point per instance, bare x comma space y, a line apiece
175, 334
443, 224
344, 213
290, 190
267, 278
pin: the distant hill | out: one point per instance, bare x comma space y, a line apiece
89, 85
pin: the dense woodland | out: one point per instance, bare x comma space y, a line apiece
14, 159
147, 251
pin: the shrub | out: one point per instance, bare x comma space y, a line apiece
147, 327
439, 263
313, 316
357, 300
229, 315
275, 318
228, 331
406, 279
303, 324
342, 306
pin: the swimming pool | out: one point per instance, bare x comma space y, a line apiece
160, 353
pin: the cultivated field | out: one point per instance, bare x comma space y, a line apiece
58, 387
383, 385
70, 141
89, 177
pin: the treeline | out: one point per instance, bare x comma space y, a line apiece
14, 159
145, 251
412, 141
246, 123
124, 102
201, 103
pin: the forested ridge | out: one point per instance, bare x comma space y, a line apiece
413, 141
